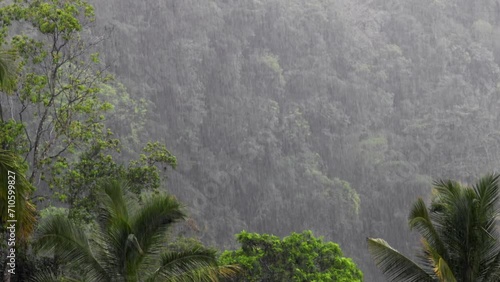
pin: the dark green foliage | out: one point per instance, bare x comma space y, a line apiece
298, 257
127, 243
14, 185
7, 70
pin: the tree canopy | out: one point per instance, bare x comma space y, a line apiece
297, 257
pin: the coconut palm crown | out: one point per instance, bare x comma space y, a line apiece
459, 236
128, 243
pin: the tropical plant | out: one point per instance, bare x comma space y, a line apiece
7, 69
298, 257
459, 236
127, 244
16, 188
15, 208
57, 96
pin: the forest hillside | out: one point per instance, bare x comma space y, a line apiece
329, 115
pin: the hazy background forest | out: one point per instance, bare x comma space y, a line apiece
329, 115
289, 115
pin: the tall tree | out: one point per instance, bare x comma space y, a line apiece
459, 236
56, 100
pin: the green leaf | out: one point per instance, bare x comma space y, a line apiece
394, 265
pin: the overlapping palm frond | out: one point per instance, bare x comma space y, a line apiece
23, 210
69, 242
195, 264
420, 220
128, 244
50, 276
459, 235
396, 266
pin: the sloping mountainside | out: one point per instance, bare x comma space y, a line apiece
329, 115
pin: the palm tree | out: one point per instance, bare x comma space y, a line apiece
459, 236
12, 170
15, 207
128, 243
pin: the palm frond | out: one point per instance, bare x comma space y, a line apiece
460, 234
487, 248
128, 242
117, 245
8, 69
445, 194
59, 234
453, 218
443, 272
394, 265
195, 264
229, 271
486, 191
115, 202
24, 210
420, 220
440, 267
113, 220
492, 270
150, 223
48, 275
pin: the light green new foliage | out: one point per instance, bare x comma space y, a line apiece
77, 182
12, 172
57, 95
65, 103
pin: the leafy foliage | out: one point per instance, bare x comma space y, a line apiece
22, 210
7, 69
16, 206
127, 243
298, 257
395, 265
76, 183
55, 107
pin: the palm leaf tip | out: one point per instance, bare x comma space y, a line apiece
393, 264
7, 69
193, 264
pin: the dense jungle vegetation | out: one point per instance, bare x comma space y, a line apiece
257, 118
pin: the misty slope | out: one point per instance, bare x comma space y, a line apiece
325, 115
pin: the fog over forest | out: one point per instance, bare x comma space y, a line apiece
332, 116
288, 115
